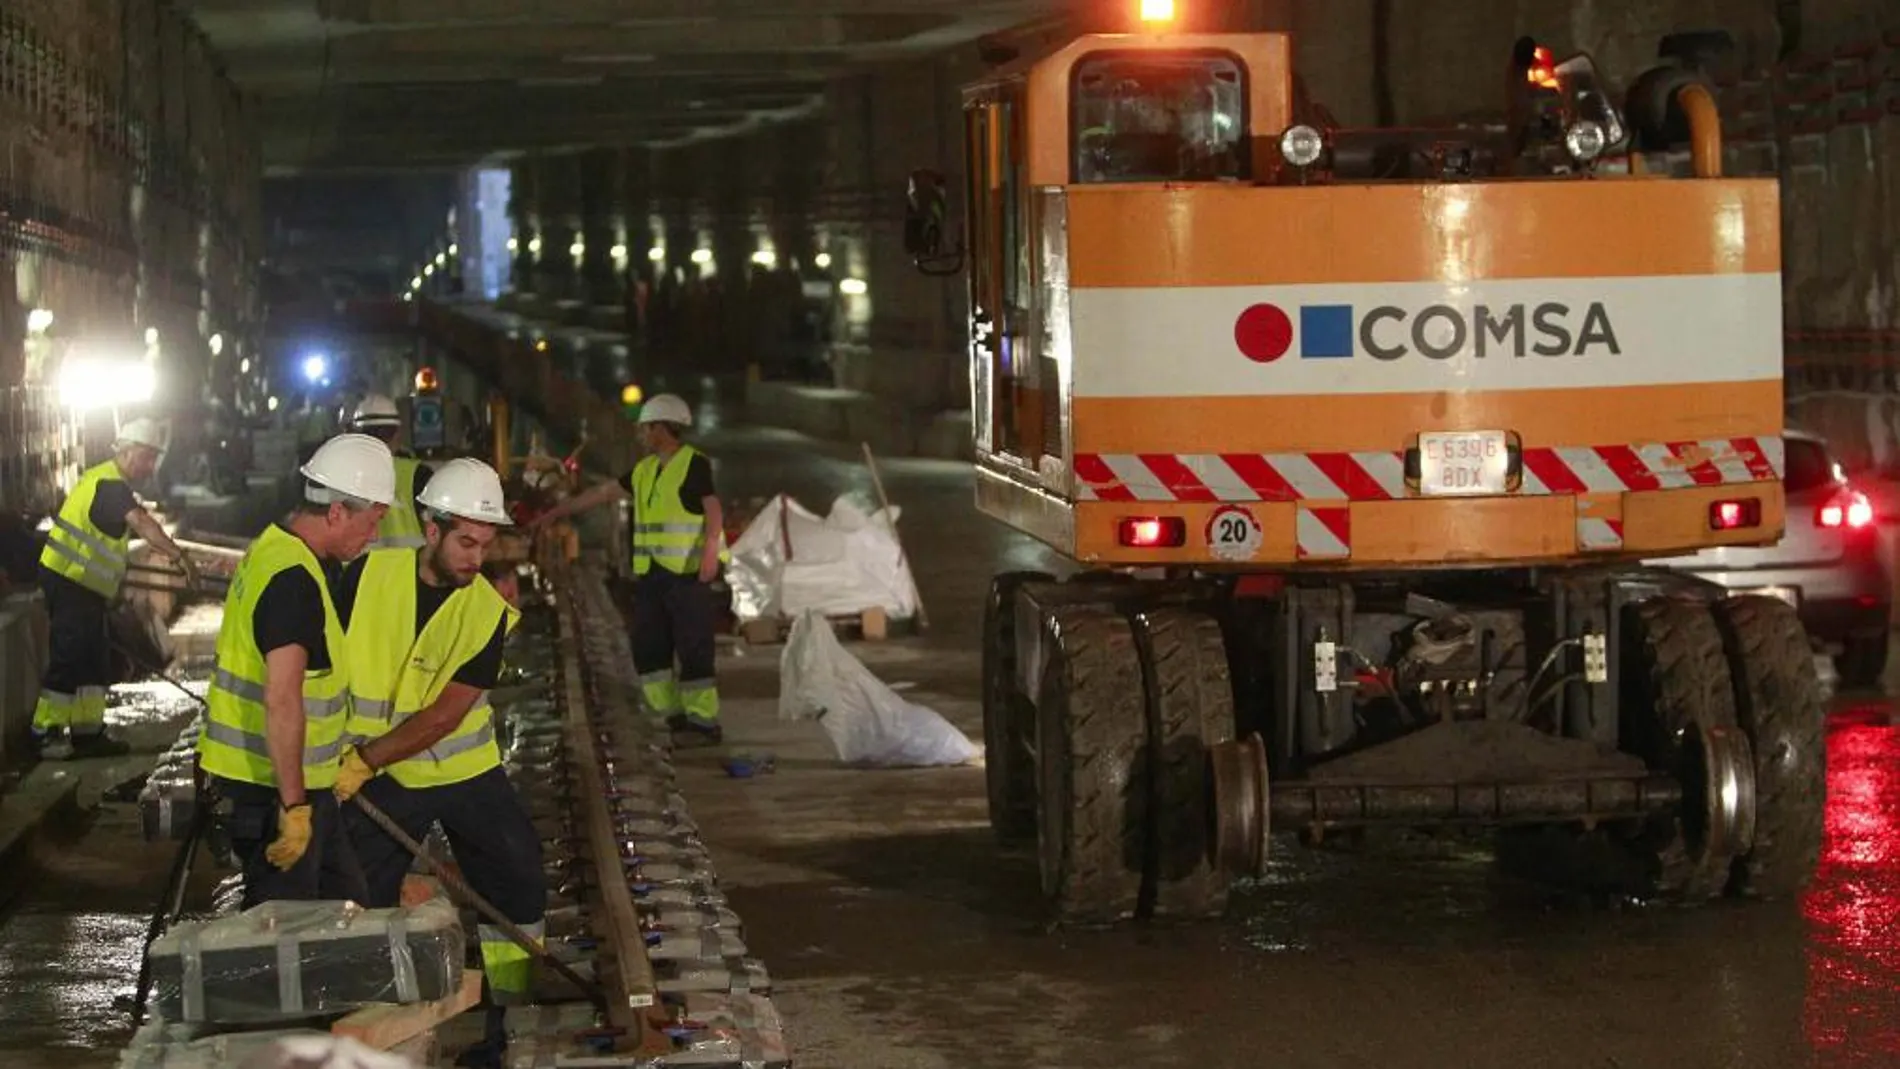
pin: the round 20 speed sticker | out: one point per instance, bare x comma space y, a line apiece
1233, 534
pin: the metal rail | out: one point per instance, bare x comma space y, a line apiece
629, 982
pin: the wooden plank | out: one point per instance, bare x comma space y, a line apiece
630, 983
385, 1026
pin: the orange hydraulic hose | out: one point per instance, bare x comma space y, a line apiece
1705, 130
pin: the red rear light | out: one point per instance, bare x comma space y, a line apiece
1848, 509
1151, 532
1734, 515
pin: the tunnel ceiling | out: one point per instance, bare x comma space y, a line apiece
399, 84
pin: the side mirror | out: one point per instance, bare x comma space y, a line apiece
926, 215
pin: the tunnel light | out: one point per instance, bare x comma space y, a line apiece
39, 321
702, 256
765, 258
455, 250
577, 250
619, 252
272, 403
103, 382
315, 366
415, 283
1157, 10
408, 298
151, 335
244, 366
514, 245
822, 260
534, 246
657, 253
429, 271
216, 342
441, 259
853, 287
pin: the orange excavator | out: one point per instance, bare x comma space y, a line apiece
1361, 437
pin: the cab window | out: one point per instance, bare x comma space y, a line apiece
1159, 117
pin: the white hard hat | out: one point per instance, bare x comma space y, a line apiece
142, 431
354, 464
466, 488
376, 410
666, 408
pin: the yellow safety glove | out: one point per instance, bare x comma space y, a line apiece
293, 837
354, 773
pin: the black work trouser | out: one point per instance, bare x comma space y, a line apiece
79, 657
488, 828
328, 869
674, 619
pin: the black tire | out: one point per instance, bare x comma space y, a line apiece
1092, 806
1863, 661
1009, 768
1190, 705
1778, 701
1675, 675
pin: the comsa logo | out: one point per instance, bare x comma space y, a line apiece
1264, 333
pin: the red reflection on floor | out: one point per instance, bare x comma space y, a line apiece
1853, 907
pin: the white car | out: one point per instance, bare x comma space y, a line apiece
1831, 563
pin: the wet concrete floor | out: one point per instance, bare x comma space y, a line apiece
898, 935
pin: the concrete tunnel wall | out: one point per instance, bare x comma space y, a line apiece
833, 181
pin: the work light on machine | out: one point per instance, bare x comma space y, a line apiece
1157, 10
631, 394
1585, 141
1302, 146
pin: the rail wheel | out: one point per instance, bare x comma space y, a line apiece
1778, 699
1009, 725
1190, 709
1092, 799
1679, 716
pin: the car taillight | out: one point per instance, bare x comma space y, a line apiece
1848, 509
1734, 515
1152, 532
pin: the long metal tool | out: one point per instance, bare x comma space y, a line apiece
174, 897
458, 889
172, 902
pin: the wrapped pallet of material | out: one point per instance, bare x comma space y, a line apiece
283, 960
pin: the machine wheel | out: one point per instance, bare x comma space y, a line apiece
1190, 700
1778, 699
1093, 796
1863, 661
1679, 716
1009, 767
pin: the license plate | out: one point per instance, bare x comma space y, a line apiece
1789, 594
1460, 463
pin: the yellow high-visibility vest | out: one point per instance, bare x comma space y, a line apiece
79, 551
401, 528
396, 673
233, 742
664, 532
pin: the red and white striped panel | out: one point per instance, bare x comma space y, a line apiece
1380, 476
1599, 535
1323, 531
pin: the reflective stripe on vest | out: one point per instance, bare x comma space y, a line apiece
397, 673
664, 531
77, 550
401, 528
234, 741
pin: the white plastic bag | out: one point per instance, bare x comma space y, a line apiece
789, 561
868, 723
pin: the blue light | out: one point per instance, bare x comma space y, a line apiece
314, 366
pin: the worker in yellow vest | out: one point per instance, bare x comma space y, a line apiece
80, 571
377, 416
678, 547
426, 630
273, 735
